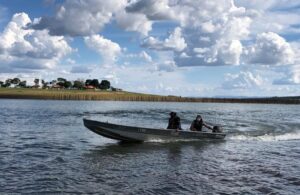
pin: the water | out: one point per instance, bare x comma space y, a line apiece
44, 148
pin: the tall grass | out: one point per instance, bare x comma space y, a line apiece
53, 94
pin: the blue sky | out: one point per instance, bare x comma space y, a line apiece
188, 48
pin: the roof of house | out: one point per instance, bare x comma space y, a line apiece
89, 87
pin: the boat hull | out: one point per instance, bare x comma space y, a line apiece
140, 134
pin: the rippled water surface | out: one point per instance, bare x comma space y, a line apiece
44, 148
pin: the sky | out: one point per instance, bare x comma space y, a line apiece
199, 48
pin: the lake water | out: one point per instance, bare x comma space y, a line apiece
44, 148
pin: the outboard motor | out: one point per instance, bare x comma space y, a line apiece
217, 129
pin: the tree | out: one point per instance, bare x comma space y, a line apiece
22, 84
62, 84
95, 83
1, 83
45, 84
78, 84
36, 82
105, 84
88, 82
8, 81
61, 80
53, 82
67, 84
15, 81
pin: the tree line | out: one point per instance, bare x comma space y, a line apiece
58, 83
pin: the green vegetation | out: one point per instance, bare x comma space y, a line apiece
92, 89
61, 83
69, 94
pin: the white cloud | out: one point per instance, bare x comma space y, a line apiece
219, 33
134, 22
146, 56
218, 26
267, 5
108, 50
22, 48
230, 52
80, 18
222, 29
242, 80
175, 42
152, 9
139, 15
167, 66
270, 49
142, 55
274, 16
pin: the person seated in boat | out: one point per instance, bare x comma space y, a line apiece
174, 122
198, 123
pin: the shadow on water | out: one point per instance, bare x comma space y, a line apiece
172, 150
143, 167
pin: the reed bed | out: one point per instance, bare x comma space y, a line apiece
53, 94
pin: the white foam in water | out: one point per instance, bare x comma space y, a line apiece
171, 140
268, 137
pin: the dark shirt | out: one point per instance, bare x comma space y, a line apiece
174, 123
197, 125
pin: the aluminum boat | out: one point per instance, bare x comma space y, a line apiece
140, 134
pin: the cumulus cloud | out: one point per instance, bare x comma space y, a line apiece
80, 18
214, 33
242, 80
134, 22
220, 34
270, 49
220, 30
216, 27
175, 42
108, 50
166, 66
270, 4
152, 9
22, 48
142, 55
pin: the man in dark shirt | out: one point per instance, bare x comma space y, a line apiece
174, 121
198, 123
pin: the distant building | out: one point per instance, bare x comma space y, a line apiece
56, 87
90, 87
12, 86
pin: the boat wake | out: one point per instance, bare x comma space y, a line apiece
171, 140
268, 137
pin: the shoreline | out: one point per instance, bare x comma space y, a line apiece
83, 95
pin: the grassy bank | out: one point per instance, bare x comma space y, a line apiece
52, 94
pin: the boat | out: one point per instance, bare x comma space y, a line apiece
140, 134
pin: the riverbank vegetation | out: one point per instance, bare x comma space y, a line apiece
59, 83
75, 94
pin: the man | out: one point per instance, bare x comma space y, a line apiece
198, 123
174, 121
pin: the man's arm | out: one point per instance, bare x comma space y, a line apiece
205, 125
